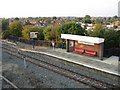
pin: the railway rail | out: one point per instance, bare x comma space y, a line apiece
9, 82
62, 71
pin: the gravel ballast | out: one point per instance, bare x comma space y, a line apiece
33, 76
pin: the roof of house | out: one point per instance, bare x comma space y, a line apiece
83, 38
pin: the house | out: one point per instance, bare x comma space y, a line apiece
33, 22
116, 23
83, 25
110, 26
89, 28
29, 22
79, 22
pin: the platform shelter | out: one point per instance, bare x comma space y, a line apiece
86, 45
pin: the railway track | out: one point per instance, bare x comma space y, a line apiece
9, 83
78, 77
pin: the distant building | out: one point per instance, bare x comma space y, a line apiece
109, 26
119, 9
79, 22
83, 25
117, 23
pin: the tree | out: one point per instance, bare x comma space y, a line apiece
111, 19
89, 32
5, 24
112, 39
30, 18
5, 34
54, 33
115, 16
16, 29
55, 17
50, 32
17, 19
119, 23
71, 28
47, 33
98, 21
98, 31
26, 32
78, 18
117, 39
87, 19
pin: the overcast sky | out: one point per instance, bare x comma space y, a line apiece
78, 8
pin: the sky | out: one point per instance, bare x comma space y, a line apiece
50, 8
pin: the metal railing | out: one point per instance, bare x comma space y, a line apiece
57, 44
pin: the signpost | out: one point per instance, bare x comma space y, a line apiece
33, 35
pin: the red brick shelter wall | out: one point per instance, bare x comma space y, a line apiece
95, 48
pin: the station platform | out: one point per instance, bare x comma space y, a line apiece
108, 65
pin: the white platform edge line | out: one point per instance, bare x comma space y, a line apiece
70, 61
9, 42
73, 61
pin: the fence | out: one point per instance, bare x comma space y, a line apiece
58, 44
112, 52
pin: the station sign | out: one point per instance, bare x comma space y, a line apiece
33, 34
71, 44
86, 43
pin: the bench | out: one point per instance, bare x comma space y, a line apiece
78, 50
91, 53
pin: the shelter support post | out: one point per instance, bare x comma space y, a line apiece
101, 51
67, 45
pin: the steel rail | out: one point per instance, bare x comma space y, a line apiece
52, 70
8, 81
117, 75
111, 85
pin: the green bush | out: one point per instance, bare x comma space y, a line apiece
5, 34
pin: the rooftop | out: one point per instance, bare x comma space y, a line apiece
83, 38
